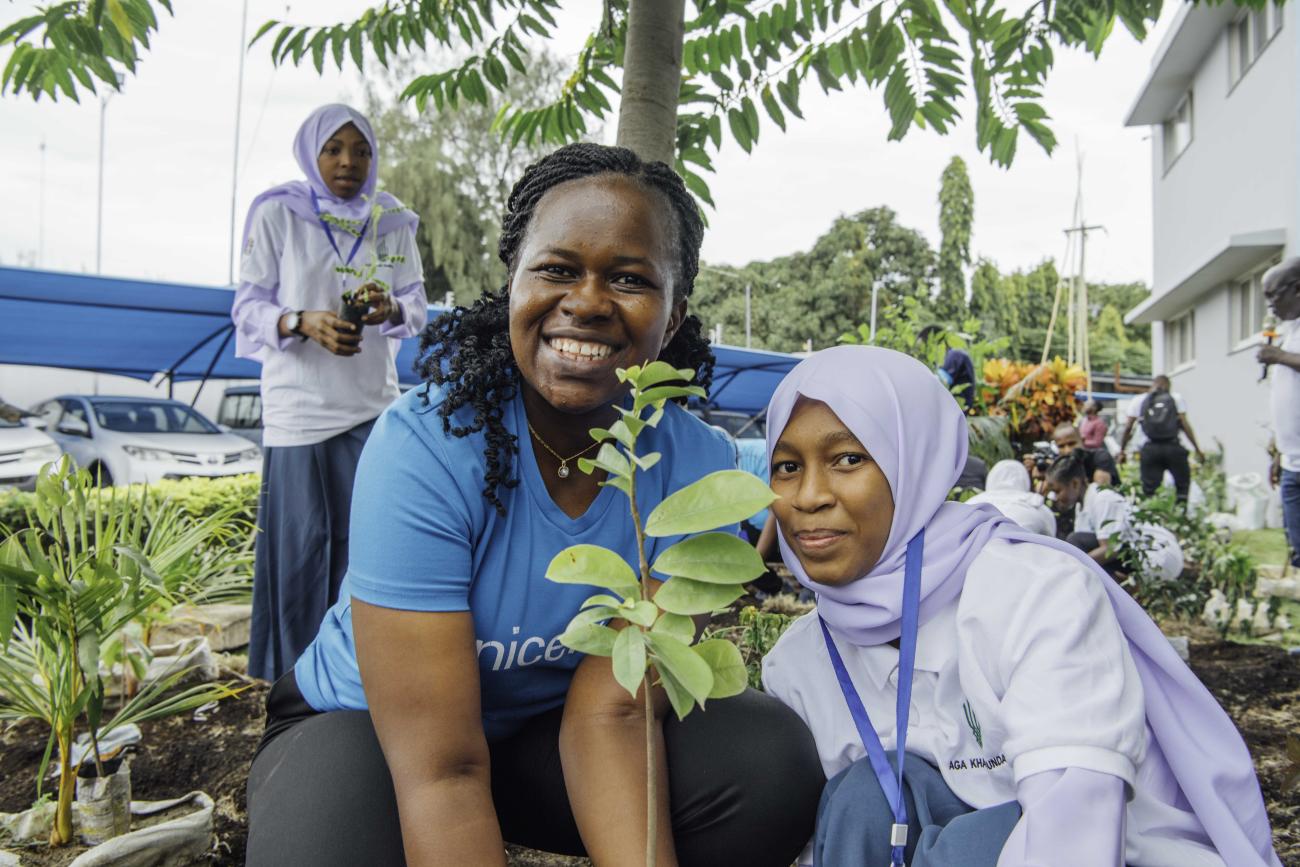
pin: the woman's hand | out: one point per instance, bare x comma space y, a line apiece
421, 680
603, 752
336, 335
382, 306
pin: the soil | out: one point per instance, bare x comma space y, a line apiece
1258, 685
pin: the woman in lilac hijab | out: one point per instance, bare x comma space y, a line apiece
324, 380
1046, 719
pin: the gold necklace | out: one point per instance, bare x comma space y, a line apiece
563, 471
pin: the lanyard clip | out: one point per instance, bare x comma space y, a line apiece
897, 842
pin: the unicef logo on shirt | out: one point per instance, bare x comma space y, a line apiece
520, 653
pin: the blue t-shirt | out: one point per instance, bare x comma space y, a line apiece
424, 538
751, 456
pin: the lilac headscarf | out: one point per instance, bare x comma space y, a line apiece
916, 433
315, 131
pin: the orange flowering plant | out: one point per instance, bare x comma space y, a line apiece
1034, 397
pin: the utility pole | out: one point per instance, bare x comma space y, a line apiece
99, 197
99, 208
40, 230
234, 168
1079, 297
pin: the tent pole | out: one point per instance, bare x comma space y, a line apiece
216, 356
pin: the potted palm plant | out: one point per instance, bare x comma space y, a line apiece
66, 587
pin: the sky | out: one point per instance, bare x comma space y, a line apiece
168, 158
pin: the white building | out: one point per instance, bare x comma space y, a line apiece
1223, 104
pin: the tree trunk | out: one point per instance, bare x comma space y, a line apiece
652, 74
61, 830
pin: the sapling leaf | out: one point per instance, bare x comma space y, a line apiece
715, 558
677, 625
629, 659
632, 420
601, 599
666, 392
591, 564
88, 656
645, 462
610, 460
595, 615
641, 613
591, 638
599, 434
679, 660
730, 677
678, 696
720, 498
661, 371
622, 484
685, 596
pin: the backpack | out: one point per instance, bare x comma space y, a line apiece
1160, 417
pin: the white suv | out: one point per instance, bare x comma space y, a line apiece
124, 440
23, 450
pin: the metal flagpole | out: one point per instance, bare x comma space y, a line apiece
234, 169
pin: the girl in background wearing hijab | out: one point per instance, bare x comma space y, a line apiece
1007, 490
1038, 715
323, 381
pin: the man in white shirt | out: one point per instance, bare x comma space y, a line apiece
1282, 290
1163, 415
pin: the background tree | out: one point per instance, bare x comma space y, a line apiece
956, 214
456, 173
822, 293
734, 55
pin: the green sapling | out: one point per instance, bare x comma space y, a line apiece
656, 645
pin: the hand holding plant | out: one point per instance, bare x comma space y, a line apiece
652, 636
368, 302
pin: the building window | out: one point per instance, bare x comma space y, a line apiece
1177, 130
1247, 306
1249, 35
1180, 341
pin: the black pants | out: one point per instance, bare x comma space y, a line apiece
1087, 543
744, 776
1160, 456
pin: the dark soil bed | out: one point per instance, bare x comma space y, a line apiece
1259, 686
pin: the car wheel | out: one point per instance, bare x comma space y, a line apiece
99, 472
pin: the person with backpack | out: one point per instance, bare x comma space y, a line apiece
1163, 415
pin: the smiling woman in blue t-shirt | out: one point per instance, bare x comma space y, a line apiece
437, 714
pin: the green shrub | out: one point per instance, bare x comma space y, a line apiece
1211, 561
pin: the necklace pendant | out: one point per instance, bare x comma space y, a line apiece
563, 471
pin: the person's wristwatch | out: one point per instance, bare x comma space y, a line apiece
294, 324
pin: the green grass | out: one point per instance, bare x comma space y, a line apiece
1265, 546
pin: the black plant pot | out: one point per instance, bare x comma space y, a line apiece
353, 313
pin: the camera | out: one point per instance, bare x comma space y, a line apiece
1043, 454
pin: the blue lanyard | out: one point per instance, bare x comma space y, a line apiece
891, 785
315, 203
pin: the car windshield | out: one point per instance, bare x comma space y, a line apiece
4, 422
147, 417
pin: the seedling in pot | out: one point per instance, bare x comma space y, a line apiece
650, 635
357, 302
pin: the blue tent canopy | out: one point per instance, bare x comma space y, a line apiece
145, 329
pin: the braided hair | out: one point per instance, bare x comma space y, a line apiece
467, 350
1076, 464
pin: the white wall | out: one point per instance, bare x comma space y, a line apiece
1239, 174
1226, 400
24, 386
